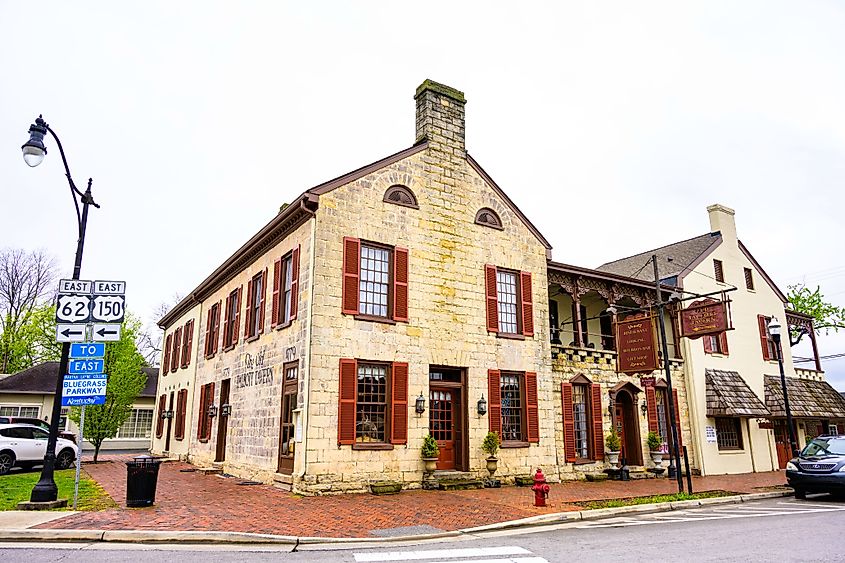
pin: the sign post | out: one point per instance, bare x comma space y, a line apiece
78, 457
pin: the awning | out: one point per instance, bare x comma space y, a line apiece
807, 398
729, 395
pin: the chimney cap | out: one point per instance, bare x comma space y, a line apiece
718, 207
442, 89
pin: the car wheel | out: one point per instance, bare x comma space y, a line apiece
7, 461
65, 459
800, 494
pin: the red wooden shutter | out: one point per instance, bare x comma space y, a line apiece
492, 298
261, 302
723, 340
249, 312
236, 326
708, 344
208, 320
351, 273
346, 403
165, 363
399, 404
531, 407
494, 394
216, 328
598, 426
175, 351
678, 419
209, 400
189, 333
179, 431
162, 403
764, 336
568, 422
274, 307
651, 404
400, 284
294, 283
527, 304
227, 326
201, 414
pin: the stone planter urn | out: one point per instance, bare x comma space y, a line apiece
612, 457
430, 464
492, 465
657, 458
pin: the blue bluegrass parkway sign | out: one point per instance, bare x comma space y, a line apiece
84, 389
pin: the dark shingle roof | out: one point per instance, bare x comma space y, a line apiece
729, 395
672, 259
41, 379
807, 398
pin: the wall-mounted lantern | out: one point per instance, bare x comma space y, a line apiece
226, 410
644, 407
482, 406
212, 411
419, 406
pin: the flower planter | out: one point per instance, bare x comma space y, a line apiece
612, 457
492, 465
430, 464
657, 458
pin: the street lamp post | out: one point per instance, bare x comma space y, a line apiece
774, 331
34, 152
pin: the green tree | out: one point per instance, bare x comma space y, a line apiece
827, 316
35, 341
126, 380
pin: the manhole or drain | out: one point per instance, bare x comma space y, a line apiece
249, 483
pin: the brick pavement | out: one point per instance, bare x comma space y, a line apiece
192, 501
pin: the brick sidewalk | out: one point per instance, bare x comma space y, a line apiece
192, 501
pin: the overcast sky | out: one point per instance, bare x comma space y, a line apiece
612, 125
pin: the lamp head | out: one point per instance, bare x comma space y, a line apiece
34, 149
774, 327
481, 407
419, 406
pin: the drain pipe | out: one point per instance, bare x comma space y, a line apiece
306, 392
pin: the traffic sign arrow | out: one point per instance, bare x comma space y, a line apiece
105, 332
70, 333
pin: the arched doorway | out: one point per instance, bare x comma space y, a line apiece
627, 423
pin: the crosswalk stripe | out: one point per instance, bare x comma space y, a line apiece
441, 554
508, 560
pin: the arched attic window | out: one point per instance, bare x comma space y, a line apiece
488, 218
401, 195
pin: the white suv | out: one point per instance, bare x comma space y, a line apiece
24, 445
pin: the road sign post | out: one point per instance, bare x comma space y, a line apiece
78, 457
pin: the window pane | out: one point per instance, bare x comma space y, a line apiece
371, 407
511, 407
728, 434
138, 425
288, 281
506, 289
579, 409
374, 282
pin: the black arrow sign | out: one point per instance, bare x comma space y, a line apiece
67, 332
103, 332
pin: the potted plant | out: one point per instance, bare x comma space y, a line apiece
655, 447
613, 446
429, 453
490, 446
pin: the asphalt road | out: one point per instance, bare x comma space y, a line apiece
780, 529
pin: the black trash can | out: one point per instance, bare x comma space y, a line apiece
141, 479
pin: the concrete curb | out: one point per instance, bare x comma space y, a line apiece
196, 537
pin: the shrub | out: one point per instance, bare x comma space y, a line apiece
654, 441
491, 442
429, 447
612, 442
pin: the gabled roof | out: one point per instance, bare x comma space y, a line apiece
41, 380
807, 398
728, 394
673, 260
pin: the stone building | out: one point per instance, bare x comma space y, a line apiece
412, 281
732, 379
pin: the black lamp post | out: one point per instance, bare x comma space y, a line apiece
34, 152
774, 331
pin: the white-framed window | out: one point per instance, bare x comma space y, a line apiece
20, 410
506, 289
139, 425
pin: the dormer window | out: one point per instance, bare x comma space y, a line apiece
401, 195
488, 218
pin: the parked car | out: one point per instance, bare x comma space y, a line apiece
36, 422
24, 445
819, 468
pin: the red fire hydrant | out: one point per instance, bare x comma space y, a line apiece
540, 488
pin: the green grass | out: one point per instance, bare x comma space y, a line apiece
617, 502
17, 487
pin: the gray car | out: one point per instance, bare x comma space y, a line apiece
24, 445
819, 468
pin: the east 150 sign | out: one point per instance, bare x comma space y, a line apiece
636, 345
704, 317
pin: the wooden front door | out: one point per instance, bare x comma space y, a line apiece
286, 430
626, 421
169, 424
223, 420
782, 443
447, 416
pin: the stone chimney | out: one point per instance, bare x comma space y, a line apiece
722, 220
440, 117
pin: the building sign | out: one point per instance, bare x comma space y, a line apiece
636, 345
710, 434
703, 317
256, 372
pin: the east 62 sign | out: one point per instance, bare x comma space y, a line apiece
85, 308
